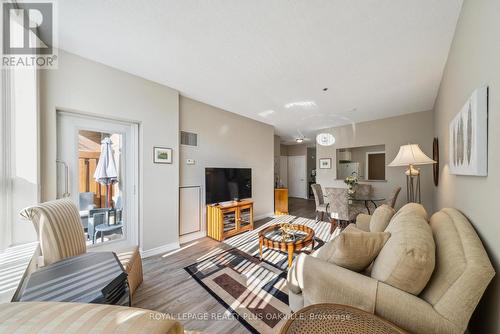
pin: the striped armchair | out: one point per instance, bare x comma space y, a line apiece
61, 235
59, 230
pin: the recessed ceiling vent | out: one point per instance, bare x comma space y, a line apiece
189, 138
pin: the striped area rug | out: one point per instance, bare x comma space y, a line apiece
253, 291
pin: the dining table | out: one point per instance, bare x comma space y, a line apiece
367, 199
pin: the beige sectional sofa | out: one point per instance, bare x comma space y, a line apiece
422, 284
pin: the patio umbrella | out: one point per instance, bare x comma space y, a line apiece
105, 172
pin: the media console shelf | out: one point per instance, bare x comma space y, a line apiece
230, 218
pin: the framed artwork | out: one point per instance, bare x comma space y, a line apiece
162, 155
325, 163
468, 136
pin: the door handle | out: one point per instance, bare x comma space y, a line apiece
66, 178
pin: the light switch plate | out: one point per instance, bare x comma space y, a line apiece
190, 161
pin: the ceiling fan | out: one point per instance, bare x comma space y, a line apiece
301, 138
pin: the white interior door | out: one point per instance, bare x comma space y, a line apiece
70, 145
297, 176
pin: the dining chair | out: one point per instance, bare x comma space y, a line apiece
393, 197
92, 222
342, 209
102, 225
364, 189
86, 203
319, 199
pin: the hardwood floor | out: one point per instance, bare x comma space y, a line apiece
302, 207
168, 288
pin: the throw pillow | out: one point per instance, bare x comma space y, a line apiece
355, 249
381, 218
407, 260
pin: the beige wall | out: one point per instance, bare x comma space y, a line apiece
228, 140
85, 86
416, 128
474, 60
294, 150
283, 150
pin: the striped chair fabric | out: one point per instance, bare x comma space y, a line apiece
59, 229
54, 317
61, 235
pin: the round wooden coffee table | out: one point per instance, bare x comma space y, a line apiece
335, 318
271, 237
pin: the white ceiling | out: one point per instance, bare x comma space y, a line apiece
378, 58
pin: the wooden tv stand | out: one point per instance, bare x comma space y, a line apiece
229, 218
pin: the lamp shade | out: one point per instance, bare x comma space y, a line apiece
411, 154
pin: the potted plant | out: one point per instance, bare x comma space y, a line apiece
351, 181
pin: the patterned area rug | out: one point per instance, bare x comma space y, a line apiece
253, 291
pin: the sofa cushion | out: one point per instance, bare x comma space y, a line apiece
363, 222
411, 209
381, 218
407, 259
354, 249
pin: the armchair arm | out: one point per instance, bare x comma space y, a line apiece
324, 282
363, 222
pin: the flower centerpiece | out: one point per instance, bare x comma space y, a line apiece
351, 181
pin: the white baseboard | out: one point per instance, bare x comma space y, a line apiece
192, 236
160, 250
266, 215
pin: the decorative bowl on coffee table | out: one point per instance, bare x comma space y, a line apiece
286, 237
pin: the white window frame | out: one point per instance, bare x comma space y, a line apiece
5, 184
7, 213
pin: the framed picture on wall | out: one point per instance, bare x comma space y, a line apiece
162, 155
469, 136
325, 163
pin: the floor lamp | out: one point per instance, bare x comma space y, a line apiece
409, 156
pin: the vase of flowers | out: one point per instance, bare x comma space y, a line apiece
351, 181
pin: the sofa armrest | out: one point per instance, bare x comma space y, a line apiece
363, 222
410, 312
323, 282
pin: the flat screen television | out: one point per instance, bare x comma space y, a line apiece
227, 184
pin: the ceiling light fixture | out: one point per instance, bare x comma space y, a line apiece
325, 139
299, 140
301, 104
